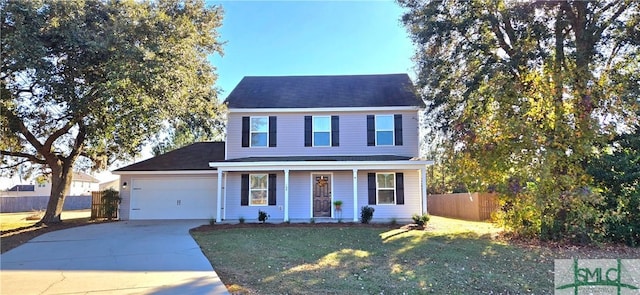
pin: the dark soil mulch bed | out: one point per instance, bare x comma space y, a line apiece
205, 228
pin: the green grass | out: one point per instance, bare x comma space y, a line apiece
450, 257
10, 221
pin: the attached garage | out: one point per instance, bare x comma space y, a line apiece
173, 198
175, 185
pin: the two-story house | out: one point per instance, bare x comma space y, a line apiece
294, 146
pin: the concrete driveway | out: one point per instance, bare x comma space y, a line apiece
126, 257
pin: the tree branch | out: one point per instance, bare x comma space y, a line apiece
608, 22
79, 142
23, 130
56, 134
30, 157
14, 165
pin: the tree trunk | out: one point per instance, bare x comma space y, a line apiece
61, 177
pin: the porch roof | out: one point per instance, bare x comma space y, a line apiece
367, 162
321, 158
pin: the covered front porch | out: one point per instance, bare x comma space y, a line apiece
295, 182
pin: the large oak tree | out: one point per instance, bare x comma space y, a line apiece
522, 93
97, 79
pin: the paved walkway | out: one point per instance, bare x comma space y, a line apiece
126, 257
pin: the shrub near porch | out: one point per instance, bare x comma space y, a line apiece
449, 257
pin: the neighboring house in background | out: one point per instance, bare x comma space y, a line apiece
294, 146
111, 184
82, 184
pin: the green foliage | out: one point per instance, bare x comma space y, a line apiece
312, 220
420, 220
241, 220
366, 214
262, 216
518, 92
617, 172
110, 200
96, 80
212, 221
337, 203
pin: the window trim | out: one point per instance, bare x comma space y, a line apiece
266, 190
377, 129
251, 132
378, 188
313, 131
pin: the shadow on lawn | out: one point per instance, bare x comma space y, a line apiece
417, 262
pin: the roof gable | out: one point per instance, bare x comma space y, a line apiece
192, 157
324, 92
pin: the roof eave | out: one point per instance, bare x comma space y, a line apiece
160, 172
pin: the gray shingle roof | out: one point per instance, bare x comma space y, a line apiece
324, 92
192, 157
322, 158
22, 188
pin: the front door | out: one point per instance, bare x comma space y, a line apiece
321, 195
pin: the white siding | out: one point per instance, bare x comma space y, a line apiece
125, 193
353, 136
412, 197
250, 213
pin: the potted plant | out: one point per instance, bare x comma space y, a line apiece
338, 205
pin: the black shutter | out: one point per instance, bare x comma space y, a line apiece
335, 131
307, 131
399, 188
398, 128
244, 190
272, 131
372, 188
371, 130
272, 190
245, 131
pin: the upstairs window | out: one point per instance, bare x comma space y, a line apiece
321, 131
384, 130
259, 131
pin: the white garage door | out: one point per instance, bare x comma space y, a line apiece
173, 198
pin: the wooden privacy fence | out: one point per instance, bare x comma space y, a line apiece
468, 206
98, 208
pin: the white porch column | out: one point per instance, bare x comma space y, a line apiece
224, 213
219, 198
286, 195
355, 195
423, 175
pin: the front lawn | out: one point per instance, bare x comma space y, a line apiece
451, 256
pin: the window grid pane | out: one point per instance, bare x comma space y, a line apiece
259, 124
384, 123
321, 124
384, 137
386, 196
321, 138
258, 139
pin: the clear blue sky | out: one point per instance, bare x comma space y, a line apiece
311, 38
